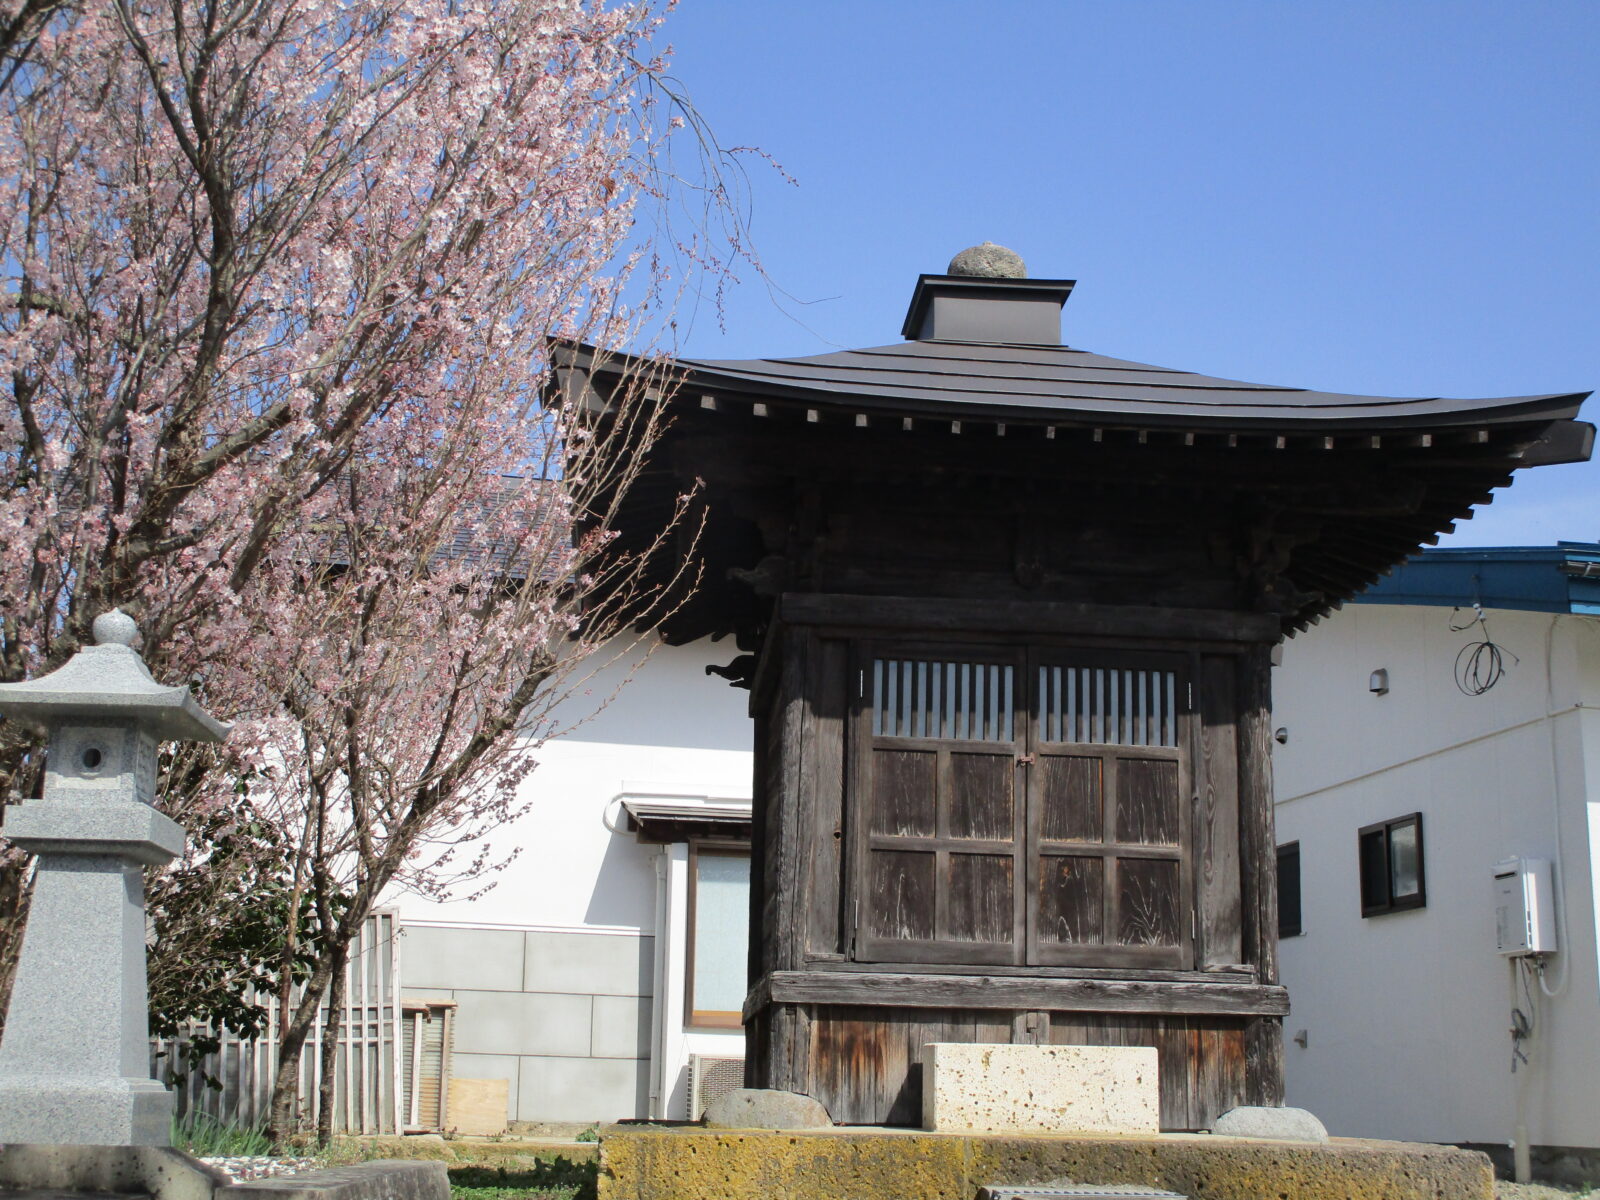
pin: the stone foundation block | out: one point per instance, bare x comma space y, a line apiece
687, 1163
974, 1088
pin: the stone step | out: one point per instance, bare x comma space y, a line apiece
59, 1194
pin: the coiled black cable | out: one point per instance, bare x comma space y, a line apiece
1479, 665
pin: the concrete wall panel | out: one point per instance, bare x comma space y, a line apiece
599, 964
471, 959
621, 1027
574, 1089
522, 1023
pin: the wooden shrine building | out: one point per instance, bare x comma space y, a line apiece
1007, 610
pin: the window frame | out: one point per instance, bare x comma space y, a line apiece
706, 1018
1383, 832
1287, 850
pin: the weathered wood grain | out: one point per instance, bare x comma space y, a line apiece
1217, 834
822, 787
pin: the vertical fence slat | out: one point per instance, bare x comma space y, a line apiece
367, 1091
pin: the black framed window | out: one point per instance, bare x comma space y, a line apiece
1392, 877
1289, 890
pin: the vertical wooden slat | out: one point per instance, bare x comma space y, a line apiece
1217, 832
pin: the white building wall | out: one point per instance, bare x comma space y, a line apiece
1406, 1014
554, 969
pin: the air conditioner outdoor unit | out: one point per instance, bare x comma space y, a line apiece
711, 1076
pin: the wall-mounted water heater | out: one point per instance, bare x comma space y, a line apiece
1524, 907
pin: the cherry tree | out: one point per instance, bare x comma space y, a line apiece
281, 282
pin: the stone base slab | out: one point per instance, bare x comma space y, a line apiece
163, 1173
687, 1163
978, 1088
158, 1171
382, 1179
69, 1111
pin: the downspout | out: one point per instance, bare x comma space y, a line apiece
658, 1035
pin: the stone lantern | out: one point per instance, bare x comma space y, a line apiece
75, 1058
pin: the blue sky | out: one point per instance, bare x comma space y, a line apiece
1395, 198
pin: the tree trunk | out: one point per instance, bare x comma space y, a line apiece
284, 1120
330, 1044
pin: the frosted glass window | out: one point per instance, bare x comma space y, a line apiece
1404, 862
720, 919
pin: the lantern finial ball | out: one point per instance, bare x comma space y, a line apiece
115, 628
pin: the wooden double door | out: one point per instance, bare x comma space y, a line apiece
1021, 806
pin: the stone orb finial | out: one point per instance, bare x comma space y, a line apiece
988, 261
115, 628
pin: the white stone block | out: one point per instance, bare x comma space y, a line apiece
976, 1088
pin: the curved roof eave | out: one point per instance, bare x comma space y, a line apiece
1040, 382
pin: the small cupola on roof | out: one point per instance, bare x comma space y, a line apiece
986, 296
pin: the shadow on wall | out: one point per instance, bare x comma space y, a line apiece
620, 888
671, 701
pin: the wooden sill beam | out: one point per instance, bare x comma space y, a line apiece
905, 990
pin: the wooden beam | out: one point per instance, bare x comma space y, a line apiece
1025, 616
915, 990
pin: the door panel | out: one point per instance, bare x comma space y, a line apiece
1149, 806
940, 837
905, 793
1071, 798
1020, 808
1148, 905
981, 796
982, 897
900, 895
1071, 900
1108, 823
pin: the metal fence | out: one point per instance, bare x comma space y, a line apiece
369, 1081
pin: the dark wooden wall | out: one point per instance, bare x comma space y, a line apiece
845, 1031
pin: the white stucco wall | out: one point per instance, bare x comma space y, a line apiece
671, 727
1406, 1014
555, 971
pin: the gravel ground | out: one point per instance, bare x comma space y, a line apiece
258, 1166
1537, 1191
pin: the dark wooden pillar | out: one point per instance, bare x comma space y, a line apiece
1263, 1035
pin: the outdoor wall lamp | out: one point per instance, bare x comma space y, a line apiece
1378, 682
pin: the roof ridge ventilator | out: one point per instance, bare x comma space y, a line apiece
986, 297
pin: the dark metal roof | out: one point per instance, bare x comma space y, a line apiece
1060, 383
1564, 578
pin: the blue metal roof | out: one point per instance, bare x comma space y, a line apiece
1564, 578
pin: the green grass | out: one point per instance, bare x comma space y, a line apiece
591, 1134
206, 1137
557, 1178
